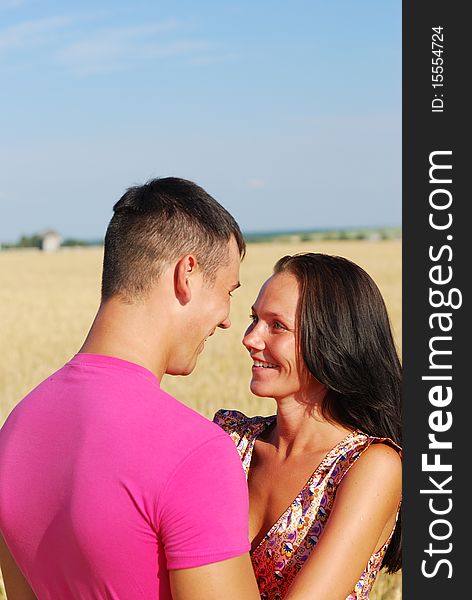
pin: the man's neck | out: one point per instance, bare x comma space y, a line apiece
129, 332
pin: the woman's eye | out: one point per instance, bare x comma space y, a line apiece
278, 325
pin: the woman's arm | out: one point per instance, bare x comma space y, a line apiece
362, 517
16, 586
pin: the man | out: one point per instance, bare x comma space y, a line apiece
111, 488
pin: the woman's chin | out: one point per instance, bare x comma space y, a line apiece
260, 389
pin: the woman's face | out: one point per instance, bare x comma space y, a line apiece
271, 339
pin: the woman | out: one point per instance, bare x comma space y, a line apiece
324, 474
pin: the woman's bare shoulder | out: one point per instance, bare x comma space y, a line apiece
378, 469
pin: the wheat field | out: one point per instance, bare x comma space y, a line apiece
48, 301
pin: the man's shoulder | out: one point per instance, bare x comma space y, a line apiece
186, 418
114, 399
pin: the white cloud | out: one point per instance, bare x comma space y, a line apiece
4, 4
256, 184
206, 59
121, 47
31, 33
90, 49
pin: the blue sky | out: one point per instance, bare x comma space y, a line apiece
288, 113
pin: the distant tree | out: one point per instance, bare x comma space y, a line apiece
70, 242
29, 241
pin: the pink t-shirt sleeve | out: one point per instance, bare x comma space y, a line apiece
203, 516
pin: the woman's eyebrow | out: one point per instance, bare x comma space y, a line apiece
271, 313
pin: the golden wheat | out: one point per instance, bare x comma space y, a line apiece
48, 301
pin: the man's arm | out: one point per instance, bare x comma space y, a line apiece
203, 525
231, 579
16, 586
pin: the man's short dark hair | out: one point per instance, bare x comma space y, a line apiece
160, 222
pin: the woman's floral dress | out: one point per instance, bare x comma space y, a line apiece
289, 542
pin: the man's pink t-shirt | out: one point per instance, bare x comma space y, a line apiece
107, 482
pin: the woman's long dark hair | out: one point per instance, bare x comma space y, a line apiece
346, 343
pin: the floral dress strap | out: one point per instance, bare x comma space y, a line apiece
243, 431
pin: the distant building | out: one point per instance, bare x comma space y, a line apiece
49, 241
374, 236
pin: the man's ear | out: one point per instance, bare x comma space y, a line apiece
184, 273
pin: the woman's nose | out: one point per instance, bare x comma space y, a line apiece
252, 338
